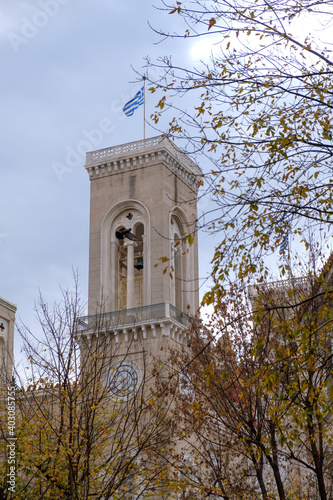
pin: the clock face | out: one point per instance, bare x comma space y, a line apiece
123, 378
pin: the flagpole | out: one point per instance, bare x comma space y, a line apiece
144, 108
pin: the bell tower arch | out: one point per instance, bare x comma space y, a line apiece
125, 260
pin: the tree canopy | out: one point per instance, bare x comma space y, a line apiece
74, 438
257, 108
260, 108
254, 394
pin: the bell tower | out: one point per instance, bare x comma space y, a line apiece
143, 274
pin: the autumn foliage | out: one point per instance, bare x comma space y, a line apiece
253, 393
256, 113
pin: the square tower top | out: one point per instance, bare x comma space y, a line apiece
133, 154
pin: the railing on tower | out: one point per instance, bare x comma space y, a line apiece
152, 144
136, 315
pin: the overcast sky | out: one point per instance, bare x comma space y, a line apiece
66, 69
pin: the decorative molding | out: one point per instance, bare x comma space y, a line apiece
133, 155
134, 332
281, 286
8, 305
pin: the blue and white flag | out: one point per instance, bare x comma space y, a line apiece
134, 103
284, 244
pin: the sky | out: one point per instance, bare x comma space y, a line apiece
67, 71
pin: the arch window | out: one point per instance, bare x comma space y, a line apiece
130, 257
125, 260
182, 257
178, 263
139, 263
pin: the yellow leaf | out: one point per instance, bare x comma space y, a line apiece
211, 23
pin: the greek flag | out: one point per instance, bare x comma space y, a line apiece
284, 244
134, 103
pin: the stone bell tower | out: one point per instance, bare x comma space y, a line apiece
143, 274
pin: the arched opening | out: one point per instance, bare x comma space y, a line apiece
125, 257
139, 264
182, 258
130, 259
122, 273
178, 275
177, 262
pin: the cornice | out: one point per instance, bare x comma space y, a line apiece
140, 154
147, 330
8, 305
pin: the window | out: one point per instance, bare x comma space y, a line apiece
125, 257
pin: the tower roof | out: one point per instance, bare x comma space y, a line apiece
8, 305
109, 161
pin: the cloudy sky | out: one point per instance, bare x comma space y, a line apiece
66, 71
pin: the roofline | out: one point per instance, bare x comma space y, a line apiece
8, 305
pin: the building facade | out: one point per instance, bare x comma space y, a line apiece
7, 321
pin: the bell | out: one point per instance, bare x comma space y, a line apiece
139, 263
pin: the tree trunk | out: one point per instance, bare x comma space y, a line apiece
274, 463
317, 458
260, 477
